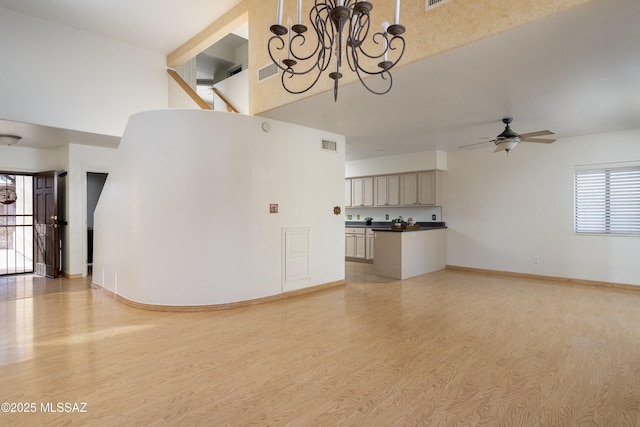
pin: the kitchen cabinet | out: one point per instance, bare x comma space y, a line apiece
386, 190
355, 243
370, 236
347, 193
409, 189
421, 189
362, 192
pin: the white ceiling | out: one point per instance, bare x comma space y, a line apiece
159, 26
575, 73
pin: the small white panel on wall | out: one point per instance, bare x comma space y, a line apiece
296, 258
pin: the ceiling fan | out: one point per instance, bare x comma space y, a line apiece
508, 139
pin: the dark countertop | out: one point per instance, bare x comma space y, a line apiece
386, 226
400, 230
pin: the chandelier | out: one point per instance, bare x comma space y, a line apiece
342, 31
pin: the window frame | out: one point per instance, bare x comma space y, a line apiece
605, 197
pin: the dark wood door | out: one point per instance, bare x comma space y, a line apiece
47, 243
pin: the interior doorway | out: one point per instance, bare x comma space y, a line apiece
95, 183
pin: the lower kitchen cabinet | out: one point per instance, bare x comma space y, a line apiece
355, 243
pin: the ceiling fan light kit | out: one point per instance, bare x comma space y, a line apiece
342, 29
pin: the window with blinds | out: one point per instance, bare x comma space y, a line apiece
607, 200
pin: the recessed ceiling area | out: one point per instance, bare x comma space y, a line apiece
51, 138
225, 58
575, 73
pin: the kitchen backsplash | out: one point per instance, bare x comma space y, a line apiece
421, 214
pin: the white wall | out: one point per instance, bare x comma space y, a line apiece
504, 210
236, 90
57, 76
178, 98
190, 224
427, 160
29, 160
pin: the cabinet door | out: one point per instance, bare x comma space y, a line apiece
380, 191
427, 188
370, 237
386, 190
356, 192
393, 190
367, 191
347, 193
361, 192
409, 189
360, 245
430, 188
350, 245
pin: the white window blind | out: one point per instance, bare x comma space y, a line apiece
607, 200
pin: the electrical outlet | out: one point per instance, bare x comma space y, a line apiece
386, 216
433, 217
536, 260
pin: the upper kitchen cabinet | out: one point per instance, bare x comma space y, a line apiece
421, 189
386, 190
347, 193
362, 192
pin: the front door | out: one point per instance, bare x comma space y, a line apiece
47, 242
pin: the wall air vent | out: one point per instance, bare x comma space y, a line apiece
430, 4
267, 72
329, 145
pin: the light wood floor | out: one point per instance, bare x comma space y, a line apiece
444, 349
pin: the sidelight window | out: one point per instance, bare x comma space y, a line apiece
16, 224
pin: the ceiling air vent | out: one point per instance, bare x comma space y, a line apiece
267, 72
430, 4
329, 145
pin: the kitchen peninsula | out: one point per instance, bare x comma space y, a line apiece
401, 254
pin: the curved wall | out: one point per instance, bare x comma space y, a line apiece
184, 215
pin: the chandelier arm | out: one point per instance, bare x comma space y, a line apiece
321, 21
352, 61
384, 75
328, 36
385, 65
275, 61
385, 42
359, 69
360, 30
301, 38
287, 68
402, 47
291, 74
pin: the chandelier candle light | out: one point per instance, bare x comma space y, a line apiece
342, 30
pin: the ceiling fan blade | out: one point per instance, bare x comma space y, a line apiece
538, 133
544, 141
477, 143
